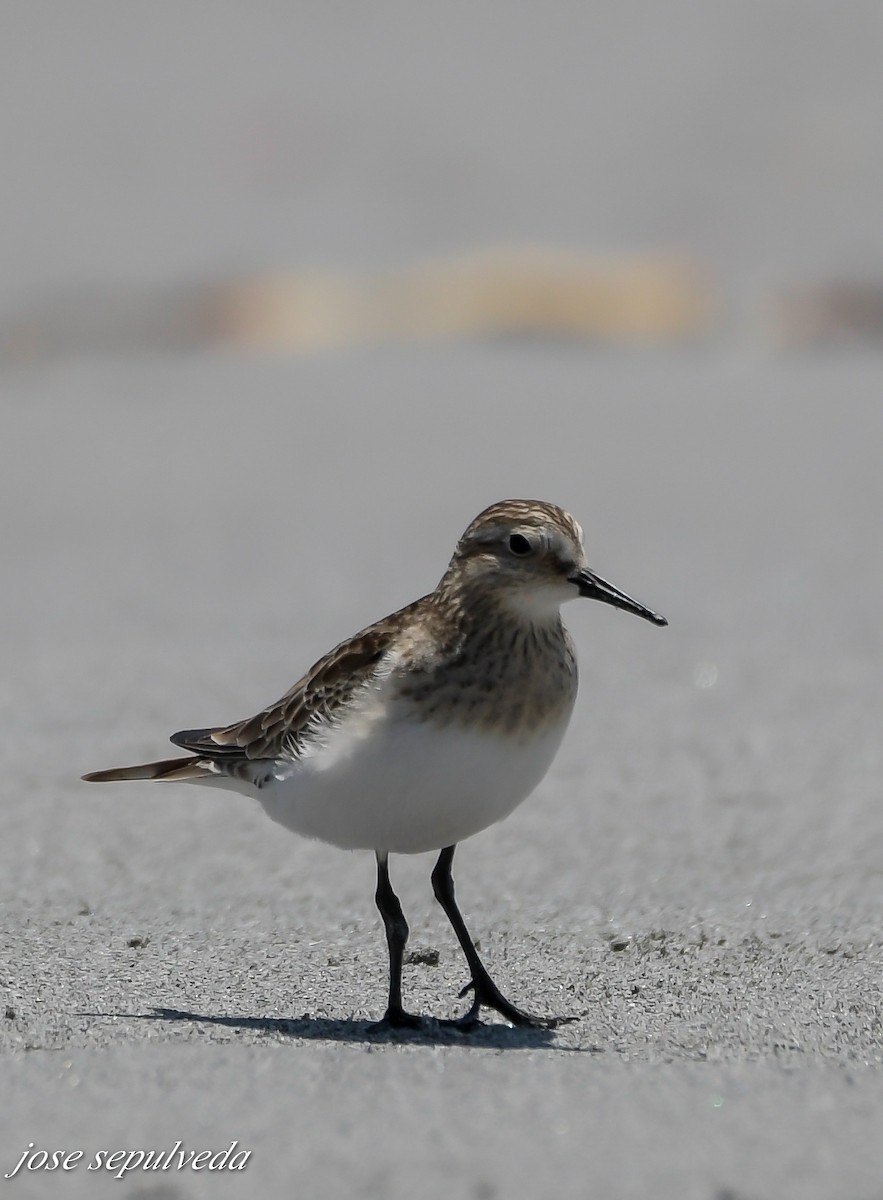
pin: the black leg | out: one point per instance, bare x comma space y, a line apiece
485, 990
396, 939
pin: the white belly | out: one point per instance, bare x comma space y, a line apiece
406, 787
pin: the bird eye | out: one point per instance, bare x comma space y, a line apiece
518, 544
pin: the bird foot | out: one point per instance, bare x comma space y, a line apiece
486, 994
397, 1019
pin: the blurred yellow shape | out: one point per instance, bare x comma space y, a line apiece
515, 291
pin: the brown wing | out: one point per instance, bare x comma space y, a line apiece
284, 727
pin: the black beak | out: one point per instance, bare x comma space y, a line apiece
595, 588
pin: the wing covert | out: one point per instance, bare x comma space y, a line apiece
318, 696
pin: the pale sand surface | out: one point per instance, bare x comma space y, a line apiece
699, 877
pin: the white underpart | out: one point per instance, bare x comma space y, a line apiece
378, 780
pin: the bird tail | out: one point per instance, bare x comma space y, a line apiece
167, 769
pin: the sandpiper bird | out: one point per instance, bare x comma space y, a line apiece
427, 726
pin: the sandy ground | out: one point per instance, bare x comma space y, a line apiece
699, 878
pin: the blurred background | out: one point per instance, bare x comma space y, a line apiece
148, 153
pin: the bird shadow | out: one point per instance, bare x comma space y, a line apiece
329, 1029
